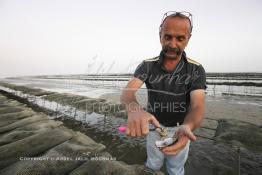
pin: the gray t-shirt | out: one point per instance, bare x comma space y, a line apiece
169, 92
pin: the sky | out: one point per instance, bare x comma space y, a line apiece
50, 37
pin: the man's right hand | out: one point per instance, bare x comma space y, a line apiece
138, 123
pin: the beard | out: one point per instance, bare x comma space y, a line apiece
171, 53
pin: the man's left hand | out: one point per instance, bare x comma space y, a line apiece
184, 134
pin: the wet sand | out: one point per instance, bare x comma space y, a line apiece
214, 153
32, 143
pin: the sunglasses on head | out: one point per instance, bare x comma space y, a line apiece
182, 14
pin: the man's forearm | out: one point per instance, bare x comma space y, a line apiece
195, 117
130, 102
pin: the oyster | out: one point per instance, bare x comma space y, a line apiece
166, 142
162, 132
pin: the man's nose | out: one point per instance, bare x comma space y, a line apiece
173, 43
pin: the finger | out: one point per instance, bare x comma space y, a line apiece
132, 129
172, 148
129, 128
178, 146
127, 131
190, 135
171, 152
154, 121
138, 128
144, 127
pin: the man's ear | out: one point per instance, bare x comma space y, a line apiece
189, 36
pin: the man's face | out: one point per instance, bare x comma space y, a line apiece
174, 36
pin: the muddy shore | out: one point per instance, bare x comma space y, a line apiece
32, 143
219, 136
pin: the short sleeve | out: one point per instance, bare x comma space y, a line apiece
141, 72
198, 79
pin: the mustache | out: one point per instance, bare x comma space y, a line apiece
177, 50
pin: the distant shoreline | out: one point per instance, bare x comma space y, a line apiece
229, 79
209, 74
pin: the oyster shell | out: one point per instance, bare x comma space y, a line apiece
166, 142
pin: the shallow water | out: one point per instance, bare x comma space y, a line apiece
96, 88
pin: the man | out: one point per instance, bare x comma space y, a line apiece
176, 95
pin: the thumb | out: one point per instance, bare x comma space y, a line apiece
154, 121
190, 135
127, 131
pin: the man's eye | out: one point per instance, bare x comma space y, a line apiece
168, 37
180, 38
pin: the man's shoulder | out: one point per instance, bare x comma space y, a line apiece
149, 62
154, 59
195, 66
193, 62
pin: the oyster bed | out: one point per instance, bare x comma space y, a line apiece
224, 145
